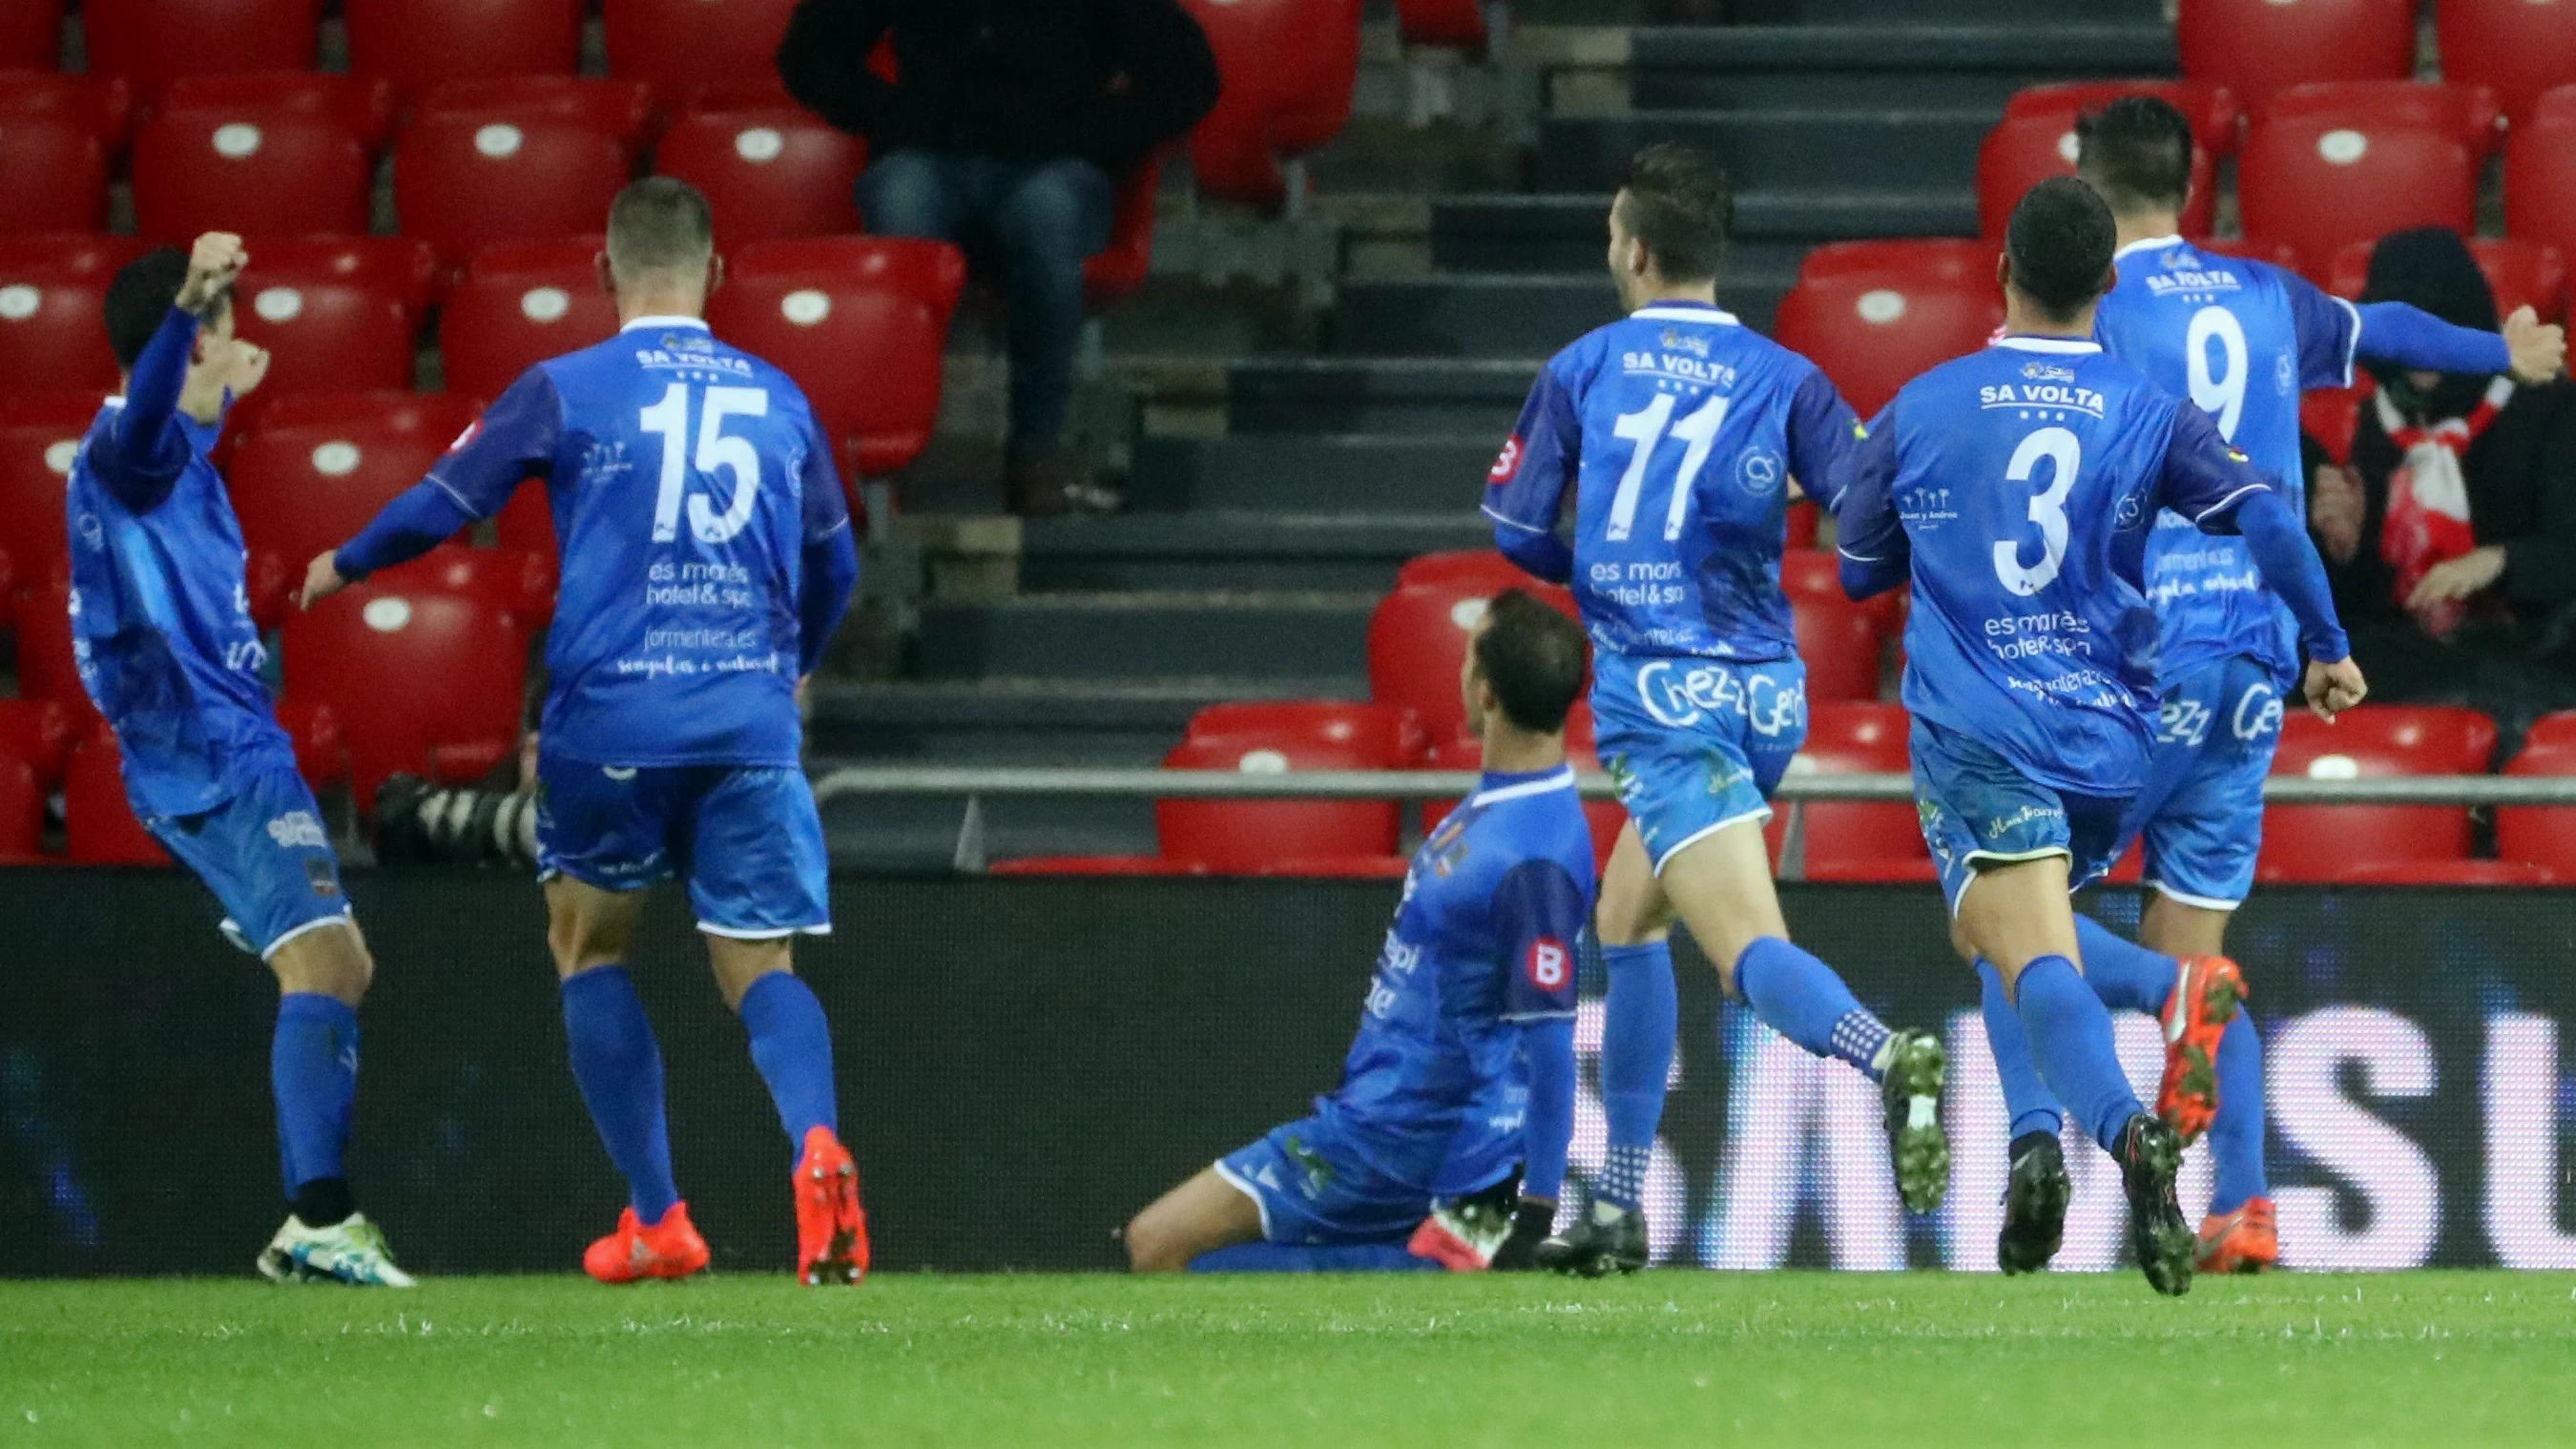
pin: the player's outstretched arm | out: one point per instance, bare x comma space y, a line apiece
1870, 534
145, 455
2395, 332
1525, 488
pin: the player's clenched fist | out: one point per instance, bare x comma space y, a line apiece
213, 262
2538, 348
2334, 688
321, 580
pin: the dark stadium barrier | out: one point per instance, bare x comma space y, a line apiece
1025, 1062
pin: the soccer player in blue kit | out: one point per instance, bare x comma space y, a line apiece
2242, 339
162, 634
2017, 487
1464, 1064
1681, 432
707, 557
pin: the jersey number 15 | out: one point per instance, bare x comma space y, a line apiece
715, 450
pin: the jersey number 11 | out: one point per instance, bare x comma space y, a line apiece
1645, 428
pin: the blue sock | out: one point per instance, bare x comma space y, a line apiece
2025, 1095
2236, 1135
1287, 1258
313, 1071
619, 1066
2070, 1035
1639, 1020
792, 1046
2122, 972
1801, 998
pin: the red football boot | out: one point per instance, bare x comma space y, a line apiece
2196, 1016
831, 1228
2244, 1241
670, 1248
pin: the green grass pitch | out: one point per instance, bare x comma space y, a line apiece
1666, 1358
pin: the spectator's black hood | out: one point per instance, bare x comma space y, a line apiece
2431, 268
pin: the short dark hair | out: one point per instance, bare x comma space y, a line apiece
2060, 243
1533, 657
2136, 151
1679, 204
143, 293
659, 224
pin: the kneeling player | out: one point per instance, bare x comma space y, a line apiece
162, 630
1466, 1042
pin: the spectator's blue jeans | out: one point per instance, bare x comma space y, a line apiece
1037, 222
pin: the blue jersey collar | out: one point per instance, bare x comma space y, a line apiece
2048, 344
1498, 786
699, 323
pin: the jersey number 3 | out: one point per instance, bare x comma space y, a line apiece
2065, 453
715, 451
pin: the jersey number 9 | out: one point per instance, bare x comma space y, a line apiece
2221, 395
715, 451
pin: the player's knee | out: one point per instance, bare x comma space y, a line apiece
1152, 1247
330, 961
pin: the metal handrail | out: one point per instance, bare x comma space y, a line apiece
973, 781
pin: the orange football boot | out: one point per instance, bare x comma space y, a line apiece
2244, 1241
2196, 1016
670, 1248
831, 1228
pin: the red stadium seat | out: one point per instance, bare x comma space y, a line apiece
1417, 639
1483, 567
1844, 644
519, 582
22, 813
2515, 48
1245, 837
2029, 146
1095, 865
40, 732
422, 682
2521, 273
321, 755
776, 171
1459, 23
2450, 873
515, 160
1875, 314
56, 143
2257, 47
53, 336
46, 668
2212, 111
861, 323
2322, 842
2536, 834
2326, 166
2540, 173
681, 47
1805, 521
519, 304
417, 45
31, 35
98, 820
1118, 269
527, 522
39, 434
2331, 415
1394, 736
1288, 69
1856, 841
1342, 867
273, 155
337, 314
310, 472
155, 42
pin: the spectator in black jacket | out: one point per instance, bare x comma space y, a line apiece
1005, 131
2473, 610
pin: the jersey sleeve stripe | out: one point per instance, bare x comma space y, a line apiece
1512, 522
470, 510
2352, 345
2221, 505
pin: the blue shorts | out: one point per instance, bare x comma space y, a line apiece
1315, 1188
264, 854
2201, 814
746, 838
1696, 745
1979, 809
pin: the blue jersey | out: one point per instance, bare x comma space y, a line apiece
1681, 432
2022, 482
2243, 340
686, 478
1435, 1091
161, 626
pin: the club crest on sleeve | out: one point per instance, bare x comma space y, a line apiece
1508, 464
1548, 964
